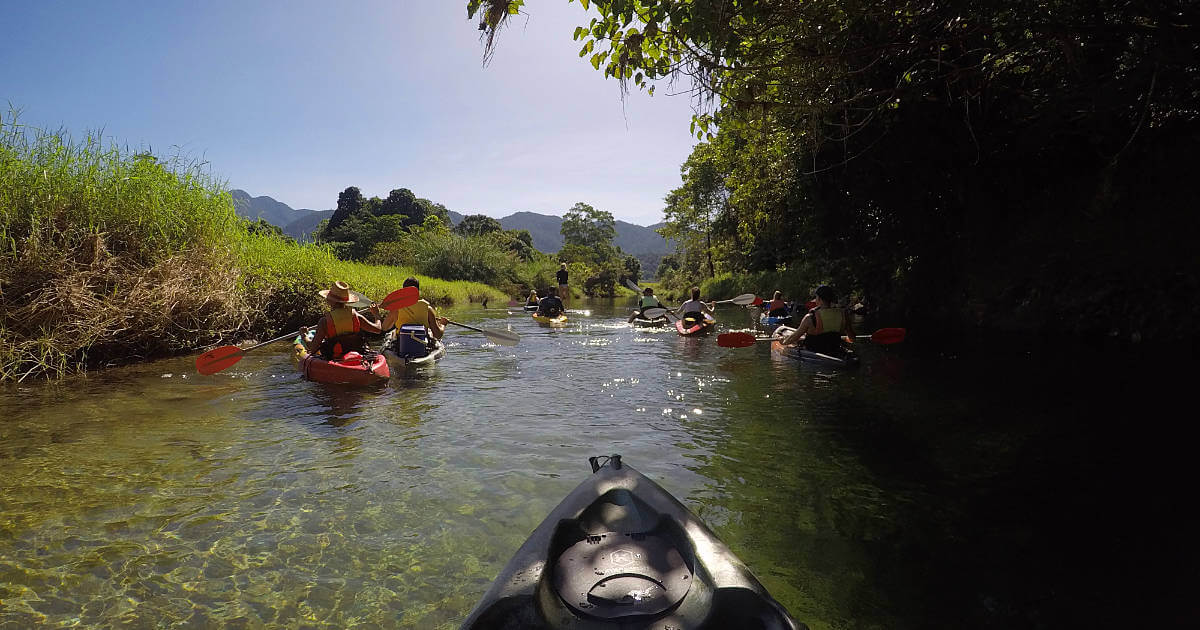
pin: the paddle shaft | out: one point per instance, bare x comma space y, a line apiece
466, 326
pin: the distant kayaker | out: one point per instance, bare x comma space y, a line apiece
533, 298
648, 300
823, 327
421, 313
550, 306
777, 307
562, 274
340, 331
694, 307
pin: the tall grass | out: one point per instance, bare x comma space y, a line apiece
109, 256
283, 278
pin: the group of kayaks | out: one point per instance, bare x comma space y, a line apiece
406, 347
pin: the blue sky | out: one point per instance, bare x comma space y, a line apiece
298, 100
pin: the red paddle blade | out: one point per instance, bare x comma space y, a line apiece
400, 298
888, 335
735, 340
513, 303
757, 302
218, 359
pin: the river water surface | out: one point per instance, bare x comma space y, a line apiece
920, 491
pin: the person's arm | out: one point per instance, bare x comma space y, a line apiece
373, 326
708, 308
805, 326
437, 325
847, 325
315, 345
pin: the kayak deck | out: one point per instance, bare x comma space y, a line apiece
560, 320
847, 359
699, 328
398, 360
621, 552
365, 369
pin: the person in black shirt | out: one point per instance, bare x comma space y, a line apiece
550, 306
562, 281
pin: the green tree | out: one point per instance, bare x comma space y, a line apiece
477, 225
350, 201
586, 226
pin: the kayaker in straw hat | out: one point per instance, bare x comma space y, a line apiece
340, 331
822, 328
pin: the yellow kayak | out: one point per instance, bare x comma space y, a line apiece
561, 320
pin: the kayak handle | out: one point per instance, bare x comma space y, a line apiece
613, 459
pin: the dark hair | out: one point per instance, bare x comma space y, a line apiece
778, 295
551, 291
411, 282
647, 291
825, 292
695, 293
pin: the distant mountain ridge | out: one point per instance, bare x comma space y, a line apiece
545, 229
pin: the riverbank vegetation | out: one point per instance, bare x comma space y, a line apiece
109, 256
411, 232
1013, 165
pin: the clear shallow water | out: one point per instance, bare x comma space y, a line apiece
915, 492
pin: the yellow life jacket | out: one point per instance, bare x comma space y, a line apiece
416, 314
829, 320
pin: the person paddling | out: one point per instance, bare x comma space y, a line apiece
777, 307
694, 309
648, 300
550, 306
341, 330
421, 313
823, 327
532, 300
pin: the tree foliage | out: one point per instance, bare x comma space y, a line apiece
477, 225
963, 159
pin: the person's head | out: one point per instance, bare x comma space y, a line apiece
563, 266
647, 292
411, 282
825, 293
533, 293
778, 295
337, 295
551, 291
695, 293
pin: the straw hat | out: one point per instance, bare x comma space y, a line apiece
338, 292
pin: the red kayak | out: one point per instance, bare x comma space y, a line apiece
352, 369
691, 327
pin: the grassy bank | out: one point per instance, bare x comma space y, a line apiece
109, 257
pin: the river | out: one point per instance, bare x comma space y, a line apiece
924, 490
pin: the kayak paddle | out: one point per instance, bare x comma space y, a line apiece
400, 298
633, 286
501, 337
225, 357
654, 313
883, 336
739, 339
744, 299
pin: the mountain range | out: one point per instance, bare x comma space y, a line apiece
641, 241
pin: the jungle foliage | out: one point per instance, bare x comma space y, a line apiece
998, 164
